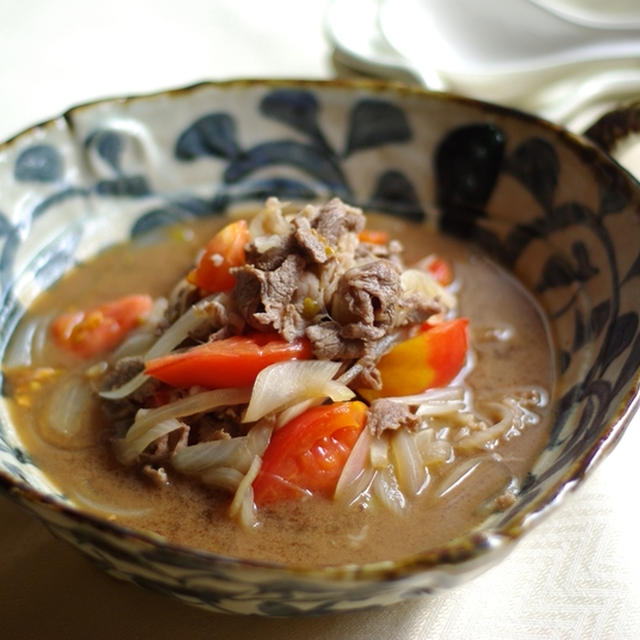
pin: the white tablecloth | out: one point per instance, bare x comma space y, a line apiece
577, 575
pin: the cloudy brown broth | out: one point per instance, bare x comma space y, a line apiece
315, 531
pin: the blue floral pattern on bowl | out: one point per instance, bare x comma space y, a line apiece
554, 209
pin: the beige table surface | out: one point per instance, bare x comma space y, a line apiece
577, 575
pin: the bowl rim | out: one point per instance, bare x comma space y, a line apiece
462, 549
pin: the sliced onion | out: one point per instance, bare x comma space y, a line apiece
226, 478
386, 489
68, 417
359, 490
197, 458
246, 491
128, 450
433, 449
412, 474
379, 452
286, 383
136, 344
170, 339
484, 437
197, 403
421, 282
463, 471
439, 395
295, 410
108, 509
258, 438
355, 464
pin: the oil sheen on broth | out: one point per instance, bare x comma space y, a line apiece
314, 531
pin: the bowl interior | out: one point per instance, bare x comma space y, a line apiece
556, 211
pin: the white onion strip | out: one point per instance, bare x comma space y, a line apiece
128, 450
411, 472
222, 477
285, 383
245, 491
439, 395
355, 463
197, 458
170, 339
385, 488
197, 403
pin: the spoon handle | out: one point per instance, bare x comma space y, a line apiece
613, 127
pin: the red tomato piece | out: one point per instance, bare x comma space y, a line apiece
373, 236
441, 270
224, 251
232, 362
430, 359
92, 331
306, 456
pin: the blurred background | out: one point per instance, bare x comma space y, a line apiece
576, 576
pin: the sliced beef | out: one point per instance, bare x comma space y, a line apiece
310, 241
385, 414
157, 475
369, 251
336, 218
275, 255
265, 299
220, 319
161, 449
367, 298
183, 296
416, 309
123, 370
220, 424
328, 344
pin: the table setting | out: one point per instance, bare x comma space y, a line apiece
569, 63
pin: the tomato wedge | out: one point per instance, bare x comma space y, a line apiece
441, 270
232, 362
430, 359
224, 251
306, 455
373, 236
89, 332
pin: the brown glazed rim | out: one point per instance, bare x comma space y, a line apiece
605, 134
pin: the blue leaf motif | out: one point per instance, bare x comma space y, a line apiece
5, 224
376, 122
125, 186
613, 188
39, 163
260, 190
157, 218
634, 269
211, 135
307, 158
467, 164
395, 194
599, 317
619, 336
629, 368
557, 272
535, 164
298, 109
109, 146
198, 207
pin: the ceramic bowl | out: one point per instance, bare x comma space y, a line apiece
553, 208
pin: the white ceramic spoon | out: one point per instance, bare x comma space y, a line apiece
598, 14
497, 49
352, 27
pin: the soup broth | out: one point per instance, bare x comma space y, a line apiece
511, 349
